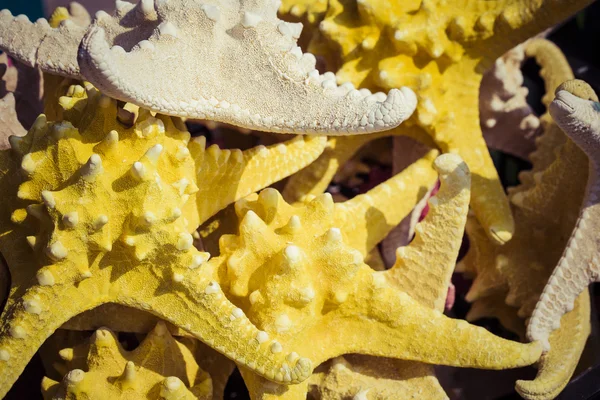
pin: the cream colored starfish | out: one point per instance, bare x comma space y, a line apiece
441, 50
516, 273
579, 265
159, 368
124, 57
94, 212
279, 246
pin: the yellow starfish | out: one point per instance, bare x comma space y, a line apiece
440, 49
159, 368
313, 253
108, 212
545, 218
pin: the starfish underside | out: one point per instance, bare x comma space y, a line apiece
440, 49
510, 279
124, 57
313, 252
108, 210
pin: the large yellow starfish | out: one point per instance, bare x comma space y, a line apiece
516, 273
95, 212
159, 368
440, 49
297, 271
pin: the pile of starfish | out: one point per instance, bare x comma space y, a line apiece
236, 248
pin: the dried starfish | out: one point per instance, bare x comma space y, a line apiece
159, 368
579, 118
108, 210
517, 271
121, 55
279, 246
440, 49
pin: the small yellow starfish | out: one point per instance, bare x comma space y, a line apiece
108, 211
159, 368
440, 49
313, 253
516, 273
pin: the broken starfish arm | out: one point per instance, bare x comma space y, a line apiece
580, 264
215, 84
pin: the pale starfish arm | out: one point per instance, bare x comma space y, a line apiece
53, 50
407, 332
9, 123
255, 91
567, 343
315, 178
43, 309
371, 216
216, 321
225, 176
423, 278
580, 263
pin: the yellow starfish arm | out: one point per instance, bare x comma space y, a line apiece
406, 331
567, 343
160, 367
372, 215
579, 265
261, 389
310, 10
27, 324
426, 279
315, 178
225, 176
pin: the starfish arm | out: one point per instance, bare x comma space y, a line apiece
579, 265
9, 123
423, 278
225, 176
567, 343
28, 323
315, 178
196, 302
411, 331
261, 389
219, 85
372, 215
53, 50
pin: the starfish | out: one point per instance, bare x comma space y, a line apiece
510, 279
161, 367
441, 50
579, 117
313, 251
121, 55
95, 212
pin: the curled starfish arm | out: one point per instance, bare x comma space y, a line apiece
219, 85
214, 320
42, 310
371, 216
422, 278
226, 176
53, 50
315, 178
567, 344
580, 264
407, 331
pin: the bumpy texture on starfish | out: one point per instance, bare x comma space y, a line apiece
516, 273
124, 57
579, 265
298, 273
159, 368
440, 49
108, 210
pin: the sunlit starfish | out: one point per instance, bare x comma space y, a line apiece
298, 272
108, 210
441, 50
246, 68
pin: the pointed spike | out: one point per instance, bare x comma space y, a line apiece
74, 377
112, 138
293, 254
138, 171
93, 168
57, 251
185, 241
250, 20
66, 354
212, 12
71, 219
35, 210
294, 225
49, 199
100, 222
154, 153
333, 235
32, 240
28, 164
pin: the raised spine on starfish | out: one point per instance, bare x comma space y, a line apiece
579, 265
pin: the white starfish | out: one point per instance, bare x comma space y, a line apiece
580, 263
231, 61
